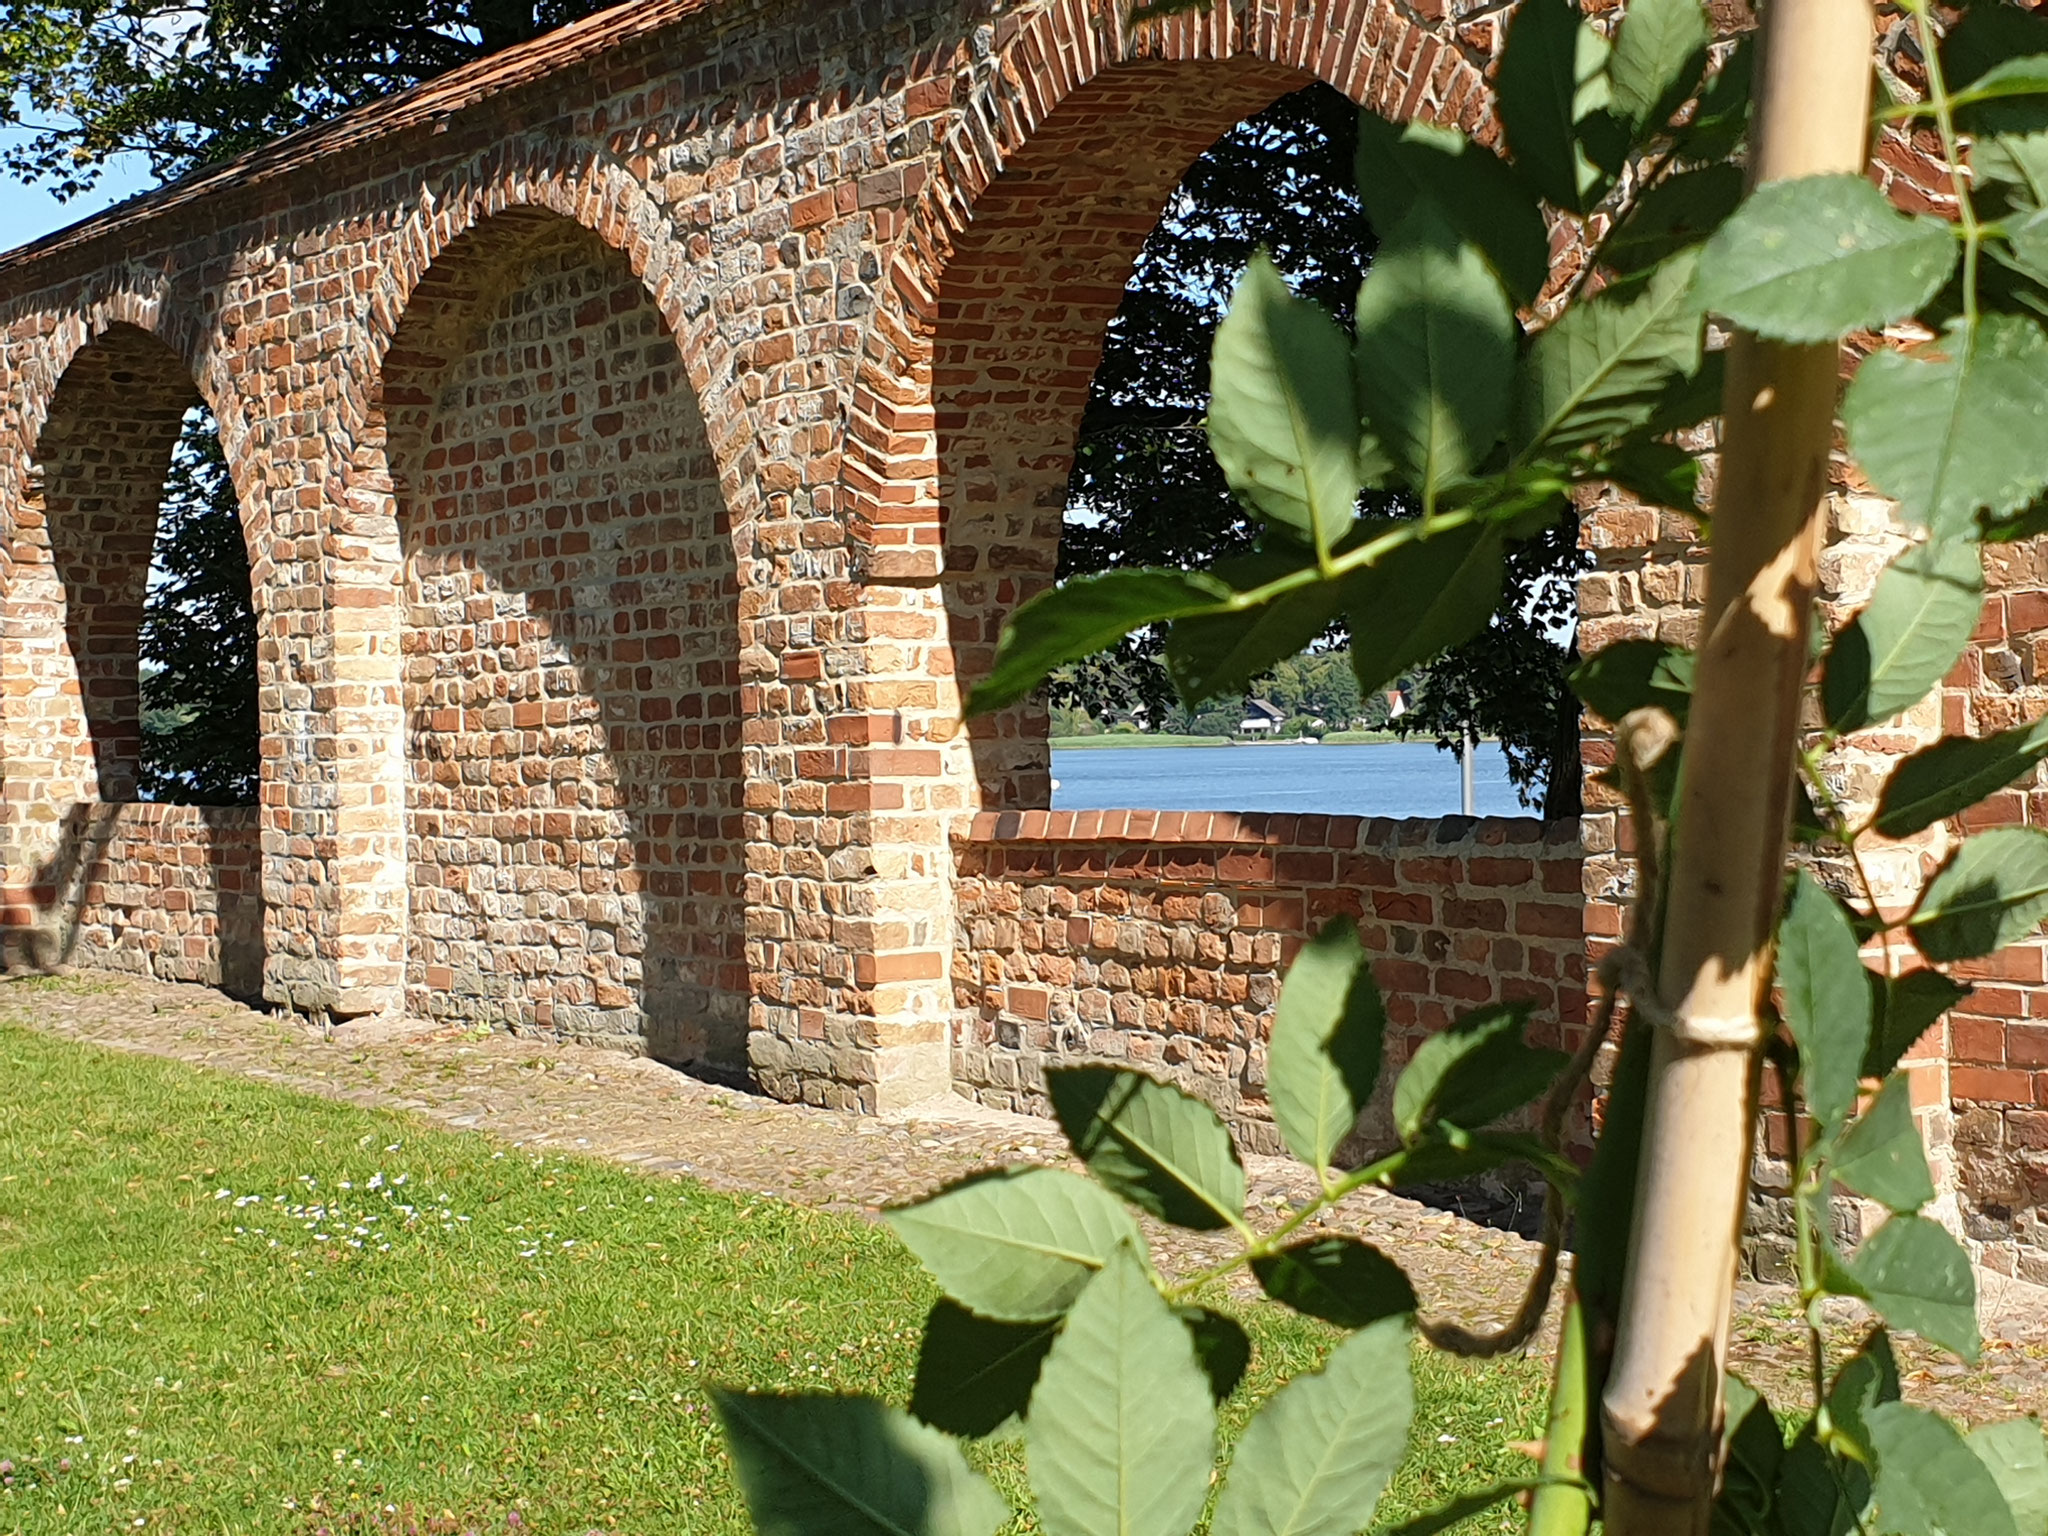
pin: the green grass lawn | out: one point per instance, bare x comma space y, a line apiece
228, 1307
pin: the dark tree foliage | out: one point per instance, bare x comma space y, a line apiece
1145, 490
186, 84
200, 731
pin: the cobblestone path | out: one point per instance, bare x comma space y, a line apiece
535, 1093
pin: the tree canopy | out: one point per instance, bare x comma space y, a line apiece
185, 85
198, 646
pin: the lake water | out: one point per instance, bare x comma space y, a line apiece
1406, 778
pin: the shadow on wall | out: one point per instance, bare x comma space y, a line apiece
1025, 302
575, 842
169, 891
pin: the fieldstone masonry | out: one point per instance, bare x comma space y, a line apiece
1159, 938
639, 437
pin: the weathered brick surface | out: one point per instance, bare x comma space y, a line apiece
575, 851
1159, 938
169, 891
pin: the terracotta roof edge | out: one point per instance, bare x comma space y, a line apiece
441, 96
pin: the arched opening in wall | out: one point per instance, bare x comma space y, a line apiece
197, 646
1071, 378
102, 461
576, 860
130, 664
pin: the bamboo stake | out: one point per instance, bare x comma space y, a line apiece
1661, 1410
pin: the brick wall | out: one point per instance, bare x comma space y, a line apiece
71, 730
1981, 1075
794, 192
575, 857
1159, 938
170, 891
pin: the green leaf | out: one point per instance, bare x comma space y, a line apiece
1929, 1482
1901, 1011
1657, 474
1222, 1348
2017, 1457
1983, 42
1881, 1157
1659, 55
1952, 775
1991, 892
1472, 1073
2019, 160
1552, 76
1462, 1508
973, 1373
1122, 1431
1908, 637
1634, 674
1082, 616
1471, 1153
1814, 258
1673, 216
1753, 1445
1917, 1277
1956, 426
1435, 348
1217, 655
1720, 120
1420, 599
1338, 1279
1477, 192
1329, 1032
1317, 1456
2005, 80
850, 1466
1819, 1493
1283, 418
1158, 1146
1866, 1379
1690, 399
1017, 1244
1827, 1000
1604, 368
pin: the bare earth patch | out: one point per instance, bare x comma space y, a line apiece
534, 1092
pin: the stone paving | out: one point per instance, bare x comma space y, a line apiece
632, 1110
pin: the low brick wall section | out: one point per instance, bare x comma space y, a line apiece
170, 891
1159, 938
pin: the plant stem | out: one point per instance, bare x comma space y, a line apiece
1945, 124
1566, 1509
1661, 1410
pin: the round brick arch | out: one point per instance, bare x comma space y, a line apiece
978, 364
143, 307
567, 620
542, 175
94, 425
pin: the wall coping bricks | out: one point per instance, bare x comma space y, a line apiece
1263, 829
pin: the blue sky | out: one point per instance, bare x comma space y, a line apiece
27, 213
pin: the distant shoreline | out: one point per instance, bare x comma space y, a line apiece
1162, 739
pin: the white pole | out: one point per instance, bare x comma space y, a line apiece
1470, 802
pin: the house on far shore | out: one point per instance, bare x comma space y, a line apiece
1261, 718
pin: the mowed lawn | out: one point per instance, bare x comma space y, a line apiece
230, 1307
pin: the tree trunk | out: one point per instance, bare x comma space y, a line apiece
1661, 1410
